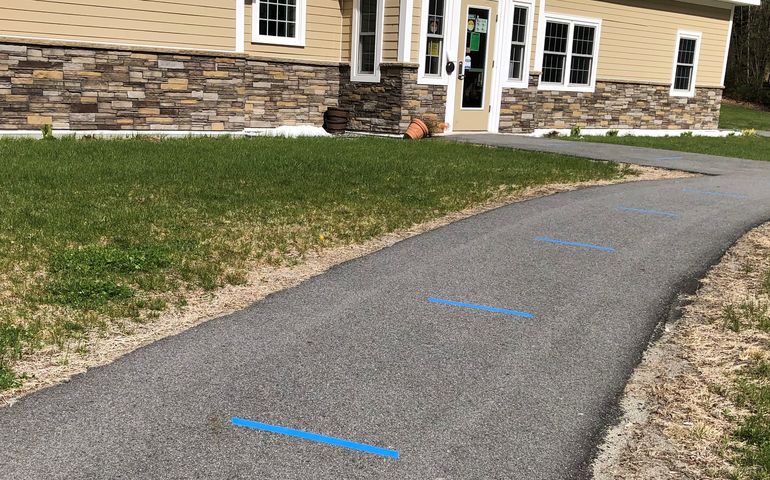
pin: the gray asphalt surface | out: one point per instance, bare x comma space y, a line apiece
360, 354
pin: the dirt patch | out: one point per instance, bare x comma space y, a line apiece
51, 365
678, 414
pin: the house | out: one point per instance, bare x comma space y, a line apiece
511, 66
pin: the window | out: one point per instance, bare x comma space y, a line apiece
569, 54
685, 64
519, 37
434, 43
366, 40
555, 52
279, 21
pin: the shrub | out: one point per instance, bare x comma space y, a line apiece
612, 133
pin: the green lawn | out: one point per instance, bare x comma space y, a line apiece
95, 233
754, 148
741, 117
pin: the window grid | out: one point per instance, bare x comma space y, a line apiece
582, 55
568, 46
685, 64
555, 51
518, 43
278, 18
367, 36
434, 44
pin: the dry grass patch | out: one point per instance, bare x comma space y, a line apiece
698, 405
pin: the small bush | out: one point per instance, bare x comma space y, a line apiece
552, 134
575, 132
748, 132
47, 132
686, 134
612, 133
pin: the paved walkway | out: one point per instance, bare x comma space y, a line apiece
492, 348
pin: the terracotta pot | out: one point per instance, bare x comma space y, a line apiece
416, 130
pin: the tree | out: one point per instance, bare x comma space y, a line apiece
749, 60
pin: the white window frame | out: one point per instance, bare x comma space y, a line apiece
301, 22
507, 33
354, 38
698, 37
565, 86
442, 78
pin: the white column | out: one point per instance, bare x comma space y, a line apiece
240, 26
406, 15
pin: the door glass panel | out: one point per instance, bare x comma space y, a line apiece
476, 33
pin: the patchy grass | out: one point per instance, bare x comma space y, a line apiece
741, 117
95, 233
753, 148
754, 431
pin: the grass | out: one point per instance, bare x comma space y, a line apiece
753, 394
751, 147
96, 233
740, 117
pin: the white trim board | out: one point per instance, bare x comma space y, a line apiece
240, 26
405, 15
633, 132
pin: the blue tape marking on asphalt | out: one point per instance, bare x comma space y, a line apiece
648, 212
480, 307
315, 437
716, 194
574, 244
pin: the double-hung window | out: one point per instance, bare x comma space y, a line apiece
366, 40
279, 21
685, 64
434, 42
519, 40
569, 54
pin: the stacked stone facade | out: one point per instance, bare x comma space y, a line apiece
98, 89
389, 105
78, 88
613, 105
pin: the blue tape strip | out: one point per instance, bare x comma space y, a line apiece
649, 212
315, 437
480, 307
716, 194
574, 244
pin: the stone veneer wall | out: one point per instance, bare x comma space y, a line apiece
612, 105
112, 89
388, 106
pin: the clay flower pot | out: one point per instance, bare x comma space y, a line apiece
416, 130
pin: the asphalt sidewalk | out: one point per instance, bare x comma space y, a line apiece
493, 348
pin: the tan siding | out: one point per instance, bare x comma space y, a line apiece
416, 30
639, 37
347, 29
533, 39
322, 34
390, 31
199, 24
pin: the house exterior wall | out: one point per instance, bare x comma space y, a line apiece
87, 84
323, 34
188, 24
81, 88
620, 105
639, 37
